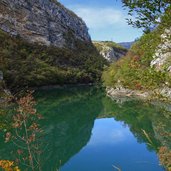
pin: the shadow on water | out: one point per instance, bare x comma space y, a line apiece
70, 113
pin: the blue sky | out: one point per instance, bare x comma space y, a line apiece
104, 18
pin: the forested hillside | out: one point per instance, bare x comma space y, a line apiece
24, 64
147, 64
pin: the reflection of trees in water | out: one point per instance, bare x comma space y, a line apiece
71, 114
69, 118
150, 123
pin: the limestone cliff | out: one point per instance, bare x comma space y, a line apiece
43, 43
162, 57
44, 21
110, 50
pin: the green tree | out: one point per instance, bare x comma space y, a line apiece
146, 13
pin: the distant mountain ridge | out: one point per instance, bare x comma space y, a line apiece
127, 45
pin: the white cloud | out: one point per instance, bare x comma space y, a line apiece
114, 136
98, 18
109, 132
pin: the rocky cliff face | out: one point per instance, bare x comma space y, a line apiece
110, 50
44, 21
162, 57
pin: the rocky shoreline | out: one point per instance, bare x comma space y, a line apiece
124, 94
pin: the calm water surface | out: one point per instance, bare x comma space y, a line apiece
112, 144
87, 131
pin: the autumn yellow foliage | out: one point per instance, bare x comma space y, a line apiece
7, 165
165, 157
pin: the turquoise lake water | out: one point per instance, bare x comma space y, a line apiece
86, 131
90, 132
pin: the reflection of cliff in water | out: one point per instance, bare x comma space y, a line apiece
150, 123
71, 114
